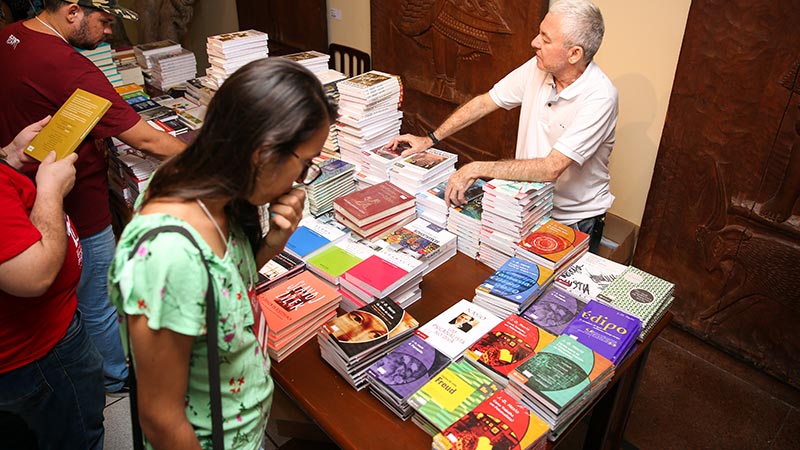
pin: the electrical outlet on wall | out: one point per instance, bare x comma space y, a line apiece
335, 13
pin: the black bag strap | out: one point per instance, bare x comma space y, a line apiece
217, 434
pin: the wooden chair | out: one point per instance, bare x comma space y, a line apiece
348, 60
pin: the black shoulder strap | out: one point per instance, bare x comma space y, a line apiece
217, 435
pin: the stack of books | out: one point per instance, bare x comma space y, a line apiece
511, 209
402, 372
102, 57
332, 262
421, 171
314, 235
432, 243
451, 394
312, 60
513, 287
553, 245
465, 222
329, 78
458, 327
605, 329
588, 276
386, 274
375, 165
229, 51
641, 294
292, 311
136, 170
432, 206
335, 181
540, 383
376, 211
354, 341
172, 69
553, 310
499, 422
198, 92
369, 113
145, 54
188, 112
512, 342
281, 267
128, 69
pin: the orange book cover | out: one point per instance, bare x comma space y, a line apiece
291, 301
553, 240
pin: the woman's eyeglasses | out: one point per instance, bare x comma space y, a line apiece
310, 173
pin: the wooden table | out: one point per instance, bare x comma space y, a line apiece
358, 421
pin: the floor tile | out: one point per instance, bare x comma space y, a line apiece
118, 425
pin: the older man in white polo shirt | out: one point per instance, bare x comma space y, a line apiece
567, 122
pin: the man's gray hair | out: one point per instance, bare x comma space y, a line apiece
582, 25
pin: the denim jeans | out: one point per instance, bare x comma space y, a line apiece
99, 315
593, 226
60, 397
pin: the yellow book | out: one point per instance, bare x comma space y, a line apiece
69, 126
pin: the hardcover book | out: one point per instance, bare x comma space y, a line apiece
361, 331
288, 302
553, 310
404, 370
554, 243
455, 391
561, 372
458, 327
500, 422
605, 329
69, 126
509, 344
373, 203
588, 276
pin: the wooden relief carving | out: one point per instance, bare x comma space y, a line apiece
731, 143
159, 20
448, 51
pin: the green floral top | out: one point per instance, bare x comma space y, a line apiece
165, 280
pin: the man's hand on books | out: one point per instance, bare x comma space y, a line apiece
459, 182
409, 144
56, 177
15, 151
284, 215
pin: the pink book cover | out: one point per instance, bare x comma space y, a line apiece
374, 274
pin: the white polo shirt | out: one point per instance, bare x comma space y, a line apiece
578, 122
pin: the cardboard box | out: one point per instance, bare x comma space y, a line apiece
619, 239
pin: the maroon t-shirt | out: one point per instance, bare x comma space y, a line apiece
39, 73
31, 327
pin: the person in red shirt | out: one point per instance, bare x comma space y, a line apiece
49, 367
41, 69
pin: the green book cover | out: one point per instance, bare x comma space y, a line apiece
339, 258
455, 391
561, 372
639, 293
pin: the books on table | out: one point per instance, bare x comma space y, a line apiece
353, 341
553, 244
641, 294
283, 265
312, 60
424, 170
512, 287
292, 311
384, 272
605, 329
228, 52
313, 235
376, 211
459, 326
69, 126
432, 243
144, 53
588, 276
332, 262
465, 222
336, 180
553, 310
499, 422
506, 346
403, 371
453, 392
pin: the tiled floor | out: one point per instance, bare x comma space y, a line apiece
692, 396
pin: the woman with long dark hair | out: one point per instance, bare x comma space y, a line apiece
263, 127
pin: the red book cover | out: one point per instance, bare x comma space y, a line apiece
373, 203
553, 241
509, 344
291, 301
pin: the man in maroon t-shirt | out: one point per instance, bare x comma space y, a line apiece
41, 69
49, 367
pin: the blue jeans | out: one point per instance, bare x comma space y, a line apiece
60, 397
99, 315
593, 226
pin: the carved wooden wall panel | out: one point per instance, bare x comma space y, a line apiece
722, 218
448, 51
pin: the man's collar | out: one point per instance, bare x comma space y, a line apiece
578, 85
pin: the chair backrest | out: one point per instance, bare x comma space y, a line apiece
348, 60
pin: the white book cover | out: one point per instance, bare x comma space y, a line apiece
457, 328
237, 38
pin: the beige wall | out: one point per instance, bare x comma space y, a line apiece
210, 18
353, 30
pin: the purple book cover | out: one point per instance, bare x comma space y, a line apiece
408, 367
553, 311
605, 329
